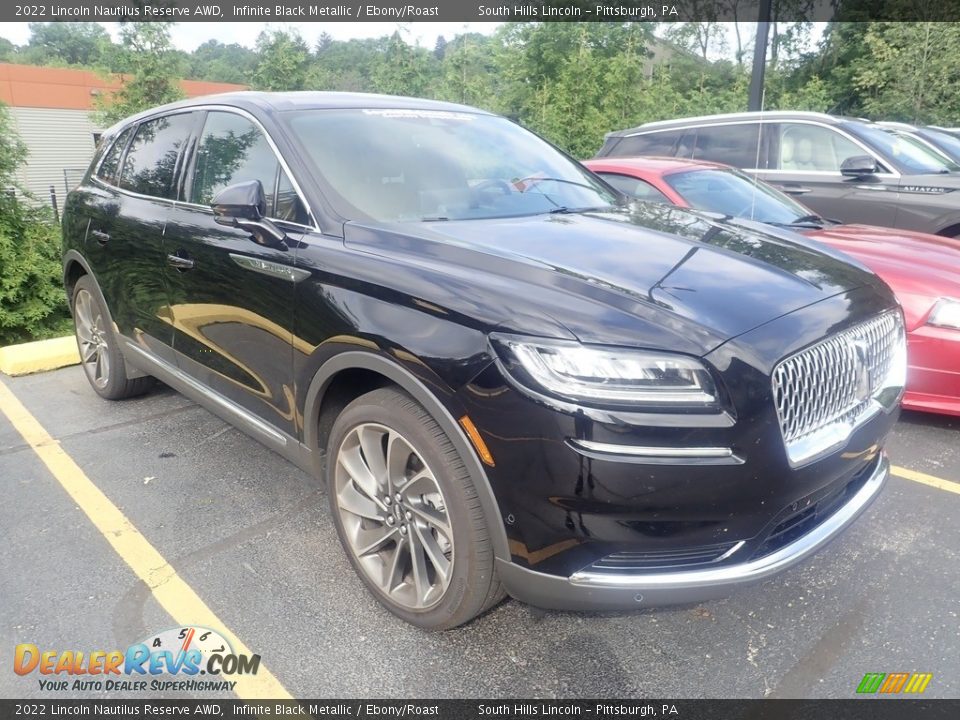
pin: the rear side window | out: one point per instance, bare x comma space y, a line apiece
669, 143
150, 165
736, 145
111, 159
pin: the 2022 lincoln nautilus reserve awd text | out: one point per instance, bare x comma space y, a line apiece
510, 379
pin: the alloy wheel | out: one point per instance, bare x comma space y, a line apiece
394, 516
92, 339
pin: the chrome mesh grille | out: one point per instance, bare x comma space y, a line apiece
827, 383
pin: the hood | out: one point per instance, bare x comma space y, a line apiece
653, 261
918, 267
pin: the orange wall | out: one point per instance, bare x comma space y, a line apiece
70, 89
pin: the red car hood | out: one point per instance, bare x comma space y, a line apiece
918, 267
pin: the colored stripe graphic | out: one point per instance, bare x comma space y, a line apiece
918, 683
871, 682
892, 683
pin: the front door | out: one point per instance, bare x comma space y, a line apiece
805, 164
231, 298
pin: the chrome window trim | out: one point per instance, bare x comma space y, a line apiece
893, 174
772, 115
182, 203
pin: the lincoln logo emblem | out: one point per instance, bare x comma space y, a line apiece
862, 370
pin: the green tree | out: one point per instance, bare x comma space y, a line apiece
467, 71
911, 72
155, 72
218, 62
7, 50
73, 43
283, 60
402, 69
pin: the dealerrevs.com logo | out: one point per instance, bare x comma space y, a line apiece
154, 664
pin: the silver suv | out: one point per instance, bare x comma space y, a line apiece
847, 169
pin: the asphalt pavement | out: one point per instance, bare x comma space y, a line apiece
251, 535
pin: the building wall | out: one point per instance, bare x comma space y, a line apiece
58, 141
52, 110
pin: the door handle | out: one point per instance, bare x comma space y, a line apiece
795, 189
100, 236
180, 263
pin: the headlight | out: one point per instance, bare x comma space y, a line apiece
603, 376
946, 313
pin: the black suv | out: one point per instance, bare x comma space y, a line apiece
509, 380
843, 168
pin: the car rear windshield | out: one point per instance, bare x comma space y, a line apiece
426, 165
730, 193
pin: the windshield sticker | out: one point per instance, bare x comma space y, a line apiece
421, 114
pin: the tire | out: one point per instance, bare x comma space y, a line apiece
99, 350
407, 512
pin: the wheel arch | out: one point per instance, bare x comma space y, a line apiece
75, 267
377, 371
950, 231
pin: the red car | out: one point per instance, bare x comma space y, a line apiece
923, 270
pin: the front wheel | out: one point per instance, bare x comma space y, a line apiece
407, 512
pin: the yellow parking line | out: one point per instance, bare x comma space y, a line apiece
169, 589
930, 480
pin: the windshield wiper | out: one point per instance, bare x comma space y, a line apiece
807, 219
533, 178
564, 210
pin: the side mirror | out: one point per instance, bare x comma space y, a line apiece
244, 206
858, 166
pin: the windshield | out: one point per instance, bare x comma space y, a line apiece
947, 143
910, 156
731, 193
424, 165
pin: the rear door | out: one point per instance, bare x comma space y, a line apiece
231, 297
805, 163
126, 232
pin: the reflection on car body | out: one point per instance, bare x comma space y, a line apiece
509, 379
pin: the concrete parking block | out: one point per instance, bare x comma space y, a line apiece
39, 356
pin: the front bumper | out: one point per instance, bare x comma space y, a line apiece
586, 590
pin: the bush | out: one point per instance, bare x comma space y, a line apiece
32, 301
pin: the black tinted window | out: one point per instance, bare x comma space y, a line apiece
289, 206
232, 150
635, 187
669, 143
111, 159
737, 145
151, 161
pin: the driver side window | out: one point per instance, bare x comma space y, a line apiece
233, 150
811, 148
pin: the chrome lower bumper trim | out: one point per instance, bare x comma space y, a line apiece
617, 591
757, 569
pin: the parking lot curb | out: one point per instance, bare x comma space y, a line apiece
39, 356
